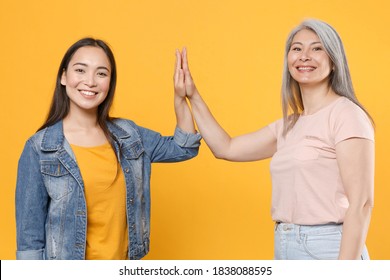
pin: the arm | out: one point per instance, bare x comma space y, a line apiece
182, 146
249, 147
31, 206
185, 143
355, 158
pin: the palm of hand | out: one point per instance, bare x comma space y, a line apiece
183, 82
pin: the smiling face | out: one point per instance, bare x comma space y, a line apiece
87, 78
308, 62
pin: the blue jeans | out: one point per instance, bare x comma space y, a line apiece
319, 242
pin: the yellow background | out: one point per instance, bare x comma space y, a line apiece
204, 208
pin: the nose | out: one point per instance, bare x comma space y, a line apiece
90, 80
304, 57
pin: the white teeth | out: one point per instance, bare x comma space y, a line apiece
89, 93
306, 68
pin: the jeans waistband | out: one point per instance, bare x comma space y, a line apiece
309, 229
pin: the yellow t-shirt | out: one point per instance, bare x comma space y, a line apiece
105, 192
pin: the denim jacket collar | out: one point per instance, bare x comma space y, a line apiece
54, 138
117, 131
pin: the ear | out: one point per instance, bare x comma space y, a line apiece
63, 78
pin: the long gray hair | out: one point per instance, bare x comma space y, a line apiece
339, 79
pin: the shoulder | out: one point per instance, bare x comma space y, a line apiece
347, 119
34, 141
124, 123
51, 136
277, 127
46, 139
38, 136
123, 128
344, 106
346, 110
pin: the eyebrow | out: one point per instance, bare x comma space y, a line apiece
86, 65
299, 43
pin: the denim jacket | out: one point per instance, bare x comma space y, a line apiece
51, 213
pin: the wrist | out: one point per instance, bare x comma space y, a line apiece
194, 96
179, 100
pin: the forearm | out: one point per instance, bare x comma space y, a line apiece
184, 119
214, 135
355, 229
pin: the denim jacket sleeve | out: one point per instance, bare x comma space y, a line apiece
31, 206
180, 147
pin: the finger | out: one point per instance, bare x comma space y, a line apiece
188, 78
185, 59
177, 64
181, 77
187, 73
179, 84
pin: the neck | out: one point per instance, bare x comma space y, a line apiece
81, 119
316, 97
81, 128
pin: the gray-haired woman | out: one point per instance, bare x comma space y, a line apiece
322, 150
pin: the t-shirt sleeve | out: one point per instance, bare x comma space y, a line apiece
352, 122
276, 128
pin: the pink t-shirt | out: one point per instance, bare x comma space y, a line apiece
306, 183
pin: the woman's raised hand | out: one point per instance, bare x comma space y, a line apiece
184, 85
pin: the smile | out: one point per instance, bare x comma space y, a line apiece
306, 68
88, 92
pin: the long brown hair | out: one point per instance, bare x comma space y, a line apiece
60, 104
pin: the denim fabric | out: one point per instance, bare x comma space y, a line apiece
318, 242
51, 213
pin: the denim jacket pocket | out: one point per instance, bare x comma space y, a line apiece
133, 150
56, 178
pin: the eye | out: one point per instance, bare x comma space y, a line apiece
317, 49
102, 74
79, 70
296, 49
